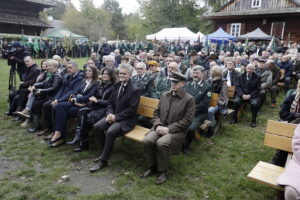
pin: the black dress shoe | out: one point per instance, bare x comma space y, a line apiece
185, 150
98, 166
161, 178
253, 124
233, 121
147, 173
81, 148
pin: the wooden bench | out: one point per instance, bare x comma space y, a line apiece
146, 108
279, 136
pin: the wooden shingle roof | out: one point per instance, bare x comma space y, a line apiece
22, 20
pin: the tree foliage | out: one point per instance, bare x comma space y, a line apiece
91, 22
117, 18
58, 11
160, 14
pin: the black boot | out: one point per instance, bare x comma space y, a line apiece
84, 142
83, 145
76, 136
35, 124
188, 140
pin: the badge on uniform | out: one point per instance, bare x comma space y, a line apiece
209, 94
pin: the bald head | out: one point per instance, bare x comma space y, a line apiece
173, 67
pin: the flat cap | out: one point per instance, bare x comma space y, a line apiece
176, 77
262, 60
153, 62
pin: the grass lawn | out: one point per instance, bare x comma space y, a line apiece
215, 169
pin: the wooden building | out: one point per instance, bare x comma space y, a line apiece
18, 15
278, 18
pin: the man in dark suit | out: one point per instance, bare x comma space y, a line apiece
231, 75
247, 90
120, 116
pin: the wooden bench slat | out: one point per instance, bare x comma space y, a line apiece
281, 128
148, 102
137, 134
145, 111
266, 173
278, 142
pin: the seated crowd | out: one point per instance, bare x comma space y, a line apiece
104, 98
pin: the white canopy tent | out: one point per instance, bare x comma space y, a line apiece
183, 34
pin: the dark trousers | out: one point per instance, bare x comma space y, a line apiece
13, 102
23, 97
197, 121
274, 93
254, 107
37, 105
63, 111
262, 98
287, 83
48, 110
106, 134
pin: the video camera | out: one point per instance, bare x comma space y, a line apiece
9, 52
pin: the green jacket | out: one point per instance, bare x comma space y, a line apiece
202, 94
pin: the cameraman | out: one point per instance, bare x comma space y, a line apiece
17, 59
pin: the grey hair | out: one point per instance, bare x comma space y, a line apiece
251, 66
73, 63
126, 66
109, 57
142, 64
198, 67
52, 63
56, 57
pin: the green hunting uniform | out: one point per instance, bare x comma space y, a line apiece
201, 91
160, 86
143, 83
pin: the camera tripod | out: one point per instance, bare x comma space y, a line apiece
12, 82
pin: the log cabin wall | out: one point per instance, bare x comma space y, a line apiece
292, 25
240, 5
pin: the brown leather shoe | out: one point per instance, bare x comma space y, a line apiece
161, 178
98, 166
147, 173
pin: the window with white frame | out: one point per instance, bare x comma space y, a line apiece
255, 3
235, 29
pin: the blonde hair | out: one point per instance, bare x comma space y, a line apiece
216, 72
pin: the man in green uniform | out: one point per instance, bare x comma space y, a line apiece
201, 91
163, 84
142, 80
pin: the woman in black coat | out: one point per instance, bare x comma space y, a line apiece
45, 90
79, 99
95, 109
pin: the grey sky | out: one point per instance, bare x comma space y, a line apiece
128, 6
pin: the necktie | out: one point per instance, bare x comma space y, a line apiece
121, 90
228, 79
248, 77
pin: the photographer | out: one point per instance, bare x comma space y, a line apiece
16, 59
32, 72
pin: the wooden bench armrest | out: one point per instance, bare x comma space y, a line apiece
267, 174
